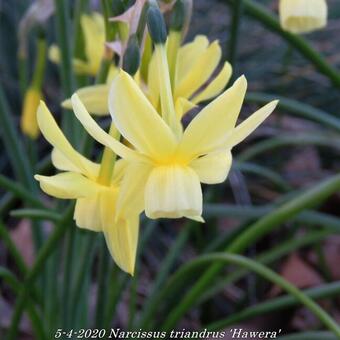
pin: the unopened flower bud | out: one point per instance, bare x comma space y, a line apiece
132, 56
156, 24
29, 125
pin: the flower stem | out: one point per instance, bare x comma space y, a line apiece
234, 31
40, 65
44, 253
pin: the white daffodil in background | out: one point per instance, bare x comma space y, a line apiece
94, 40
194, 81
303, 16
96, 196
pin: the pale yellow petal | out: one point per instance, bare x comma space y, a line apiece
54, 54
213, 168
119, 171
209, 130
84, 67
61, 162
55, 137
198, 219
200, 72
137, 120
153, 91
121, 234
98, 133
173, 192
244, 129
189, 54
94, 36
87, 213
94, 98
303, 16
67, 185
122, 241
131, 194
182, 106
216, 86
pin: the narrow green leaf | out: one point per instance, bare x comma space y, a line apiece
263, 226
14, 148
261, 270
39, 214
297, 108
19, 191
275, 305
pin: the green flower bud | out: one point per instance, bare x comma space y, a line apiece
178, 17
156, 24
131, 59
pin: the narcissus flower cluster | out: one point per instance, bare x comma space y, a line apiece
161, 164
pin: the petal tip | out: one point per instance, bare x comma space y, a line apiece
66, 104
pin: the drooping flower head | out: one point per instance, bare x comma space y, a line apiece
173, 163
96, 196
303, 16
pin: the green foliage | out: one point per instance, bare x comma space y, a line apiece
57, 291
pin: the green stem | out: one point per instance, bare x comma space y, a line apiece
260, 13
40, 64
37, 214
265, 258
63, 28
18, 259
40, 261
307, 200
174, 43
37, 323
327, 141
263, 271
262, 171
275, 305
86, 255
67, 278
297, 108
117, 286
165, 270
255, 231
23, 73
19, 191
234, 31
13, 146
102, 279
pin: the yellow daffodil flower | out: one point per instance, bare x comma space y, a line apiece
303, 16
167, 163
28, 123
95, 200
94, 39
193, 67
196, 63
